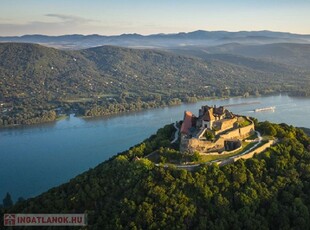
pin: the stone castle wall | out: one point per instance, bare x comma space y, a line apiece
257, 150
228, 124
239, 133
195, 144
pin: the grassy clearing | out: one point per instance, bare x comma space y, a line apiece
252, 137
205, 159
245, 147
244, 123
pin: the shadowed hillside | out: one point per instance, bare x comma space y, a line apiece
297, 55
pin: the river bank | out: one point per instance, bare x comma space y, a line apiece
64, 115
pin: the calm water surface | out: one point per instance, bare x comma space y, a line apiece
36, 158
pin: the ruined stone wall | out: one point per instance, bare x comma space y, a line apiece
234, 134
194, 144
240, 133
228, 124
247, 130
184, 143
257, 150
225, 125
222, 153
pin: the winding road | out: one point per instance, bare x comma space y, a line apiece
176, 134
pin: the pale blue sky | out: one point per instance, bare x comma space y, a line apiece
55, 17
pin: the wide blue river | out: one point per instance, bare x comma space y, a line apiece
36, 158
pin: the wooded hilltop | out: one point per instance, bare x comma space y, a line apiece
269, 191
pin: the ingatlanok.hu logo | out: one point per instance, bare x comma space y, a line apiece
45, 219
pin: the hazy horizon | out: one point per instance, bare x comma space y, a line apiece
150, 33
151, 17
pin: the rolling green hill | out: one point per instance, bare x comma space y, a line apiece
254, 63
297, 55
37, 81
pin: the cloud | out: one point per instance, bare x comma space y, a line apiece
71, 19
63, 24
59, 24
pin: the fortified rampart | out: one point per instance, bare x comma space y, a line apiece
257, 150
247, 155
200, 145
239, 133
225, 124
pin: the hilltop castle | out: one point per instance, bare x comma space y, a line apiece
214, 130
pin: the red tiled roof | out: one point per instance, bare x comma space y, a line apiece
208, 116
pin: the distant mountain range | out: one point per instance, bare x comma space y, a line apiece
195, 38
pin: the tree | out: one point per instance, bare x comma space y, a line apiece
7, 201
20, 199
267, 128
209, 135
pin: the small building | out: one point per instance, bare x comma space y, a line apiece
208, 118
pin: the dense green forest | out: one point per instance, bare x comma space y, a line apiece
269, 191
39, 84
294, 54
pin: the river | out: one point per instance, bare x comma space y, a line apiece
36, 158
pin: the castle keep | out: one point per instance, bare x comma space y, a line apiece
214, 130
